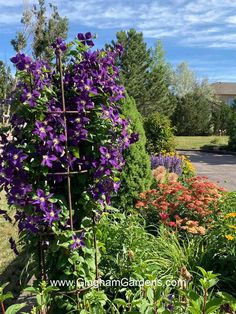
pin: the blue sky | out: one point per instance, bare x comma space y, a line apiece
200, 32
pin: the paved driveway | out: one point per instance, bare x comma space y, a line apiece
218, 167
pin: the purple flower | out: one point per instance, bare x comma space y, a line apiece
86, 39
13, 246
42, 199
171, 296
42, 129
57, 142
47, 160
30, 97
109, 157
59, 45
171, 163
77, 242
21, 61
16, 157
51, 215
170, 308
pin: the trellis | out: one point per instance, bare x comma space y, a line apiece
68, 173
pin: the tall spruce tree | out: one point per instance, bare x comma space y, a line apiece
40, 29
134, 64
159, 99
136, 175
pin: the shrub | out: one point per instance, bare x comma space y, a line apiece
189, 207
136, 174
159, 133
232, 133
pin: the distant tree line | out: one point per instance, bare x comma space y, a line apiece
149, 79
189, 103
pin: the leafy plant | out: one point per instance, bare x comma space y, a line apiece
159, 133
69, 119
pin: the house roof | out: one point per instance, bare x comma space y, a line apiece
222, 88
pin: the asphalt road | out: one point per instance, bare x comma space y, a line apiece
219, 168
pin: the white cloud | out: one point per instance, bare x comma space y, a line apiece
203, 23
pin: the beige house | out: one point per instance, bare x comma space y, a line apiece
225, 91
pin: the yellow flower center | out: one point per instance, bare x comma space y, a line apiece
15, 157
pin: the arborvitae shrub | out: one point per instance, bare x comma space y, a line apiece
159, 133
136, 175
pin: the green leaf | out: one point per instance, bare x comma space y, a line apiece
6, 296
213, 305
15, 308
120, 302
31, 290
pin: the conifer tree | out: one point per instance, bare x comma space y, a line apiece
134, 64
136, 175
159, 97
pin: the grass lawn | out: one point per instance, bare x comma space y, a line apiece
6, 231
201, 142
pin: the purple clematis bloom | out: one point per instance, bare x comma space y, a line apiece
21, 61
42, 199
47, 160
42, 129
57, 142
51, 215
17, 157
109, 157
59, 45
86, 39
77, 241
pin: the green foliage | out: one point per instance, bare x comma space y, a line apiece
192, 115
134, 64
43, 27
159, 98
159, 133
201, 299
145, 74
195, 103
136, 174
221, 117
6, 80
232, 133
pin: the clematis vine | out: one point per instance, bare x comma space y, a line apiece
45, 142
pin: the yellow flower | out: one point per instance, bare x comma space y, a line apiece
230, 215
229, 237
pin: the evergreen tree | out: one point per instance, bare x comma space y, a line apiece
192, 115
159, 97
136, 175
145, 74
44, 28
134, 64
